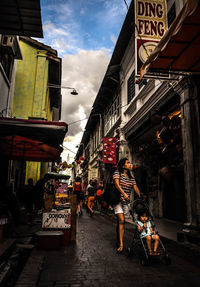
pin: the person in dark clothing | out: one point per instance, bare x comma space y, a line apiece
12, 204
39, 190
91, 197
99, 194
140, 174
78, 190
28, 196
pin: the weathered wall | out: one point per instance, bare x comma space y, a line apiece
31, 98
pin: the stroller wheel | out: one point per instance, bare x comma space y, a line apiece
167, 259
144, 262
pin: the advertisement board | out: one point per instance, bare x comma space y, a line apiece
57, 220
109, 150
151, 24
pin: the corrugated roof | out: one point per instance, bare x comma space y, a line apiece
21, 17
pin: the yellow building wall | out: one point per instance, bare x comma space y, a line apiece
31, 96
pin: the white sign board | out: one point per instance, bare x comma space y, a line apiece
57, 220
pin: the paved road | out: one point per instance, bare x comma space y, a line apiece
92, 261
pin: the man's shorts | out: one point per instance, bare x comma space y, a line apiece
122, 208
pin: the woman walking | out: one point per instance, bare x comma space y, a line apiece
78, 190
125, 183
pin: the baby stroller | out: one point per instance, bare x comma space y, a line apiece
146, 258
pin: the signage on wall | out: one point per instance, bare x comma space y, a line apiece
109, 150
151, 24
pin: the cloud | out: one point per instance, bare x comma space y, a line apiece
113, 39
113, 13
83, 71
65, 38
84, 33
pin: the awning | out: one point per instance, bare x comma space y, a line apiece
178, 50
21, 17
31, 139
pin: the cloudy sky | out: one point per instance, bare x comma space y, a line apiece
84, 33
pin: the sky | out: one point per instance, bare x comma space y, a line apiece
84, 33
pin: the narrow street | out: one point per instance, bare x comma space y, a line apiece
92, 261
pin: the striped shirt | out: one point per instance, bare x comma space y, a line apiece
125, 182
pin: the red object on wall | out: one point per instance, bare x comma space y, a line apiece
109, 150
82, 158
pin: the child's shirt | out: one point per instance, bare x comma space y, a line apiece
146, 231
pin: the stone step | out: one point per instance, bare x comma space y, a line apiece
6, 248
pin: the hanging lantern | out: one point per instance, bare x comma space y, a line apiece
78, 161
82, 158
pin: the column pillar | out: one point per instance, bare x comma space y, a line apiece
188, 90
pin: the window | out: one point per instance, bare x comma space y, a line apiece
131, 87
171, 15
112, 113
7, 60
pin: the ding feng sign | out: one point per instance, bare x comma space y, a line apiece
151, 24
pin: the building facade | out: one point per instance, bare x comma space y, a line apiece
155, 122
37, 93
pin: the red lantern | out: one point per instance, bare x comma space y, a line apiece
82, 158
78, 161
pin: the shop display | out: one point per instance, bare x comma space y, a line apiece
57, 214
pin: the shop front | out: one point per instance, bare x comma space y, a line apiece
24, 140
157, 151
177, 55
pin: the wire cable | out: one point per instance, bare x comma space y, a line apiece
126, 4
71, 123
68, 149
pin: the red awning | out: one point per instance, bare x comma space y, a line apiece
31, 139
178, 50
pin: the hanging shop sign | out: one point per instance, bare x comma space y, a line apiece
109, 150
57, 219
151, 24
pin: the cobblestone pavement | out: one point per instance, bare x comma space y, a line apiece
92, 261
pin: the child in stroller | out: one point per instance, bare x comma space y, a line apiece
146, 231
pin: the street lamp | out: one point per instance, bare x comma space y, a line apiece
74, 92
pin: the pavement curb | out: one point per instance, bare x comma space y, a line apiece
30, 275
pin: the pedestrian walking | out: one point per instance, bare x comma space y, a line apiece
99, 194
125, 182
78, 190
91, 197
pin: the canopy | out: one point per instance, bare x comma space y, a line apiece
31, 139
21, 18
178, 50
